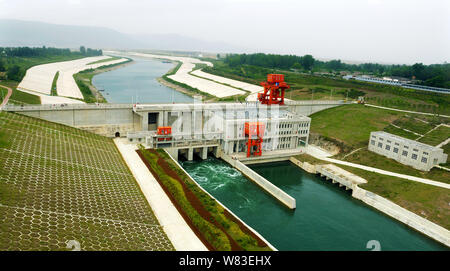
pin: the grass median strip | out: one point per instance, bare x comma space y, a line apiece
214, 225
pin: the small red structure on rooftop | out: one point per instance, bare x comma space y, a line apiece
274, 90
255, 132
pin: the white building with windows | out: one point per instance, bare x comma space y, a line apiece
406, 151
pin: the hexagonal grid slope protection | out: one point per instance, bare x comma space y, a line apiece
59, 183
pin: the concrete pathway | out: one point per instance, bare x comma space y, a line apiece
406, 111
5, 100
315, 152
178, 231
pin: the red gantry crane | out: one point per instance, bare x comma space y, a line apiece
255, 132
274, 90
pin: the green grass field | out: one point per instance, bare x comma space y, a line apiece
3, 92
410, 123
436, 136
59, 183
400, 132
427, 201
352, 124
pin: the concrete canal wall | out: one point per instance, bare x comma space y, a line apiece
199, 186
272, 189
386, 206
393, 210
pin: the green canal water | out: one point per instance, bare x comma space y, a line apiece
326, 218
137, 82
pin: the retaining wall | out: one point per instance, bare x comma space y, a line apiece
419, 223
199, 186
272, 189
391, 209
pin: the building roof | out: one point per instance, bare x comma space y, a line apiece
406, 141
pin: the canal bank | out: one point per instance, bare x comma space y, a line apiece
351, 181
327, 217
138, 83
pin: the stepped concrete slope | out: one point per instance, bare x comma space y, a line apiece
39, 79
183, 75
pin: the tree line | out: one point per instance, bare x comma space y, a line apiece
436, 75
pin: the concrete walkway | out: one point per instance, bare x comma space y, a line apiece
5, 100
318, 153
406, 111
178, 231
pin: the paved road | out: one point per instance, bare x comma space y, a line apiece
178, 231
320, 154
5, 101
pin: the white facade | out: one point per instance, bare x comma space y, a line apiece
222, 125
409, 152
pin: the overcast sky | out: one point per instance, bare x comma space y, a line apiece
388, 31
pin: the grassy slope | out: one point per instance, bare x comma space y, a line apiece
425, 200
55, 79
104, 60
368, 158
400, 132
104, 185
352, 124
19, 97
3, 92
437, 136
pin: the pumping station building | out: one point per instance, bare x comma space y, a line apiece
406, 151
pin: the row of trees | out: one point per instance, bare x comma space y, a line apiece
45, 51
437, 75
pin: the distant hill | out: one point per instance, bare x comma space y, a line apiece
31, 33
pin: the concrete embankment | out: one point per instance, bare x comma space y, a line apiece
272, 189
416, 222
229, 211
389, 208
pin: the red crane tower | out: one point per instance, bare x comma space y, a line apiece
274, 90
254, 131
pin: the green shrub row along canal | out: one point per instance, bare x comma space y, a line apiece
215, 226
326, 218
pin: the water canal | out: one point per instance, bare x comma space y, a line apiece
137, 83
326, 218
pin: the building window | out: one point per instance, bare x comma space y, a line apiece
405, 153
388, 147
396, 150
415, 150
381, 139
414, 156
372, 142
396, 144
380, 145
389, 141
424, 160
425, 153
405, 147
